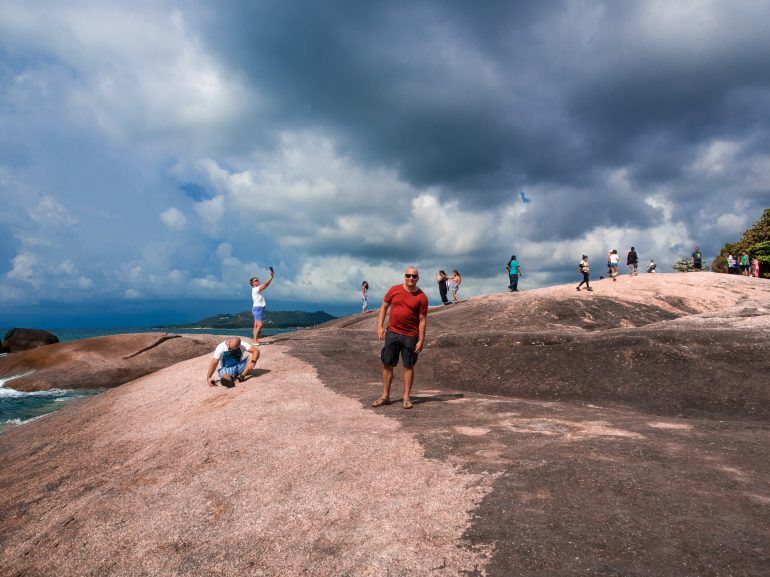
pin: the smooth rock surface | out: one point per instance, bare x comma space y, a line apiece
620, 432
102, 362
276, 476
629, 428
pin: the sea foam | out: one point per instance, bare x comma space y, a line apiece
11, 392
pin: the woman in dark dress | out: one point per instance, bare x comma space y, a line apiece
441, 279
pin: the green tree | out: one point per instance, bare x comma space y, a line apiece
754, 241
761, 251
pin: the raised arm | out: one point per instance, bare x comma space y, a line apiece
265, 284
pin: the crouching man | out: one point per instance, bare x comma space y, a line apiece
229, 356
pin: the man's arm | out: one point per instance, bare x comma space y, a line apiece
265, 284
381, 321
212, 367
421, 333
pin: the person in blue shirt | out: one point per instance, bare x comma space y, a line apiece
514, 271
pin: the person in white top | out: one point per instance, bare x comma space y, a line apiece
614, 262
232, 365
258, 303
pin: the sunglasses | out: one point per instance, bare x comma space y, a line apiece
411, 276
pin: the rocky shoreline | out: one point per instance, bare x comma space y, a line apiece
102, 362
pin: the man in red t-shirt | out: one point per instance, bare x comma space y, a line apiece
405, 334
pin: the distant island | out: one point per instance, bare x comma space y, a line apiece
273, 320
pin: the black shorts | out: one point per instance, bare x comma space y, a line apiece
396, 344
697, 266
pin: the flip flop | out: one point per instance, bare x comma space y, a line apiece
408, 404
380, 402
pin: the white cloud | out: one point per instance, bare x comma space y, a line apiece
224, 250
149, 74
731, 225
25, 268
85, 283
49, 213
716, 157
308, 197
67, 268
173, 218
447, 229
337, 278
211, 212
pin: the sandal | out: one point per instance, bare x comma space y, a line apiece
380, 402
408, 404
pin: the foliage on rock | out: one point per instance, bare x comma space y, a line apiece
684, 264
273, 319
755, 241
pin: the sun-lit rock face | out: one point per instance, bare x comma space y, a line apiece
101, 362
546, 437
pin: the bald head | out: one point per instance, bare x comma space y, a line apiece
233, 343
411, 276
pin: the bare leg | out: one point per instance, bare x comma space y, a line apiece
387, 379
257, 330
408, 380
247, 369
454, 296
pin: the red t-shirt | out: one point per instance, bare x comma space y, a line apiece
405, 310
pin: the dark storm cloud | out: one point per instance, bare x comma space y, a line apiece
378, 75
480, 100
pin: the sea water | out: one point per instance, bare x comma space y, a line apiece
65, 335
19, 407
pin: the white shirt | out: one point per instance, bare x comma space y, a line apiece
614, 259
257, 298
222, 349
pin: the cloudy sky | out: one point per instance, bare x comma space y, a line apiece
154, 155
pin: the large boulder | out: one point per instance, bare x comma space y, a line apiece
17, 339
